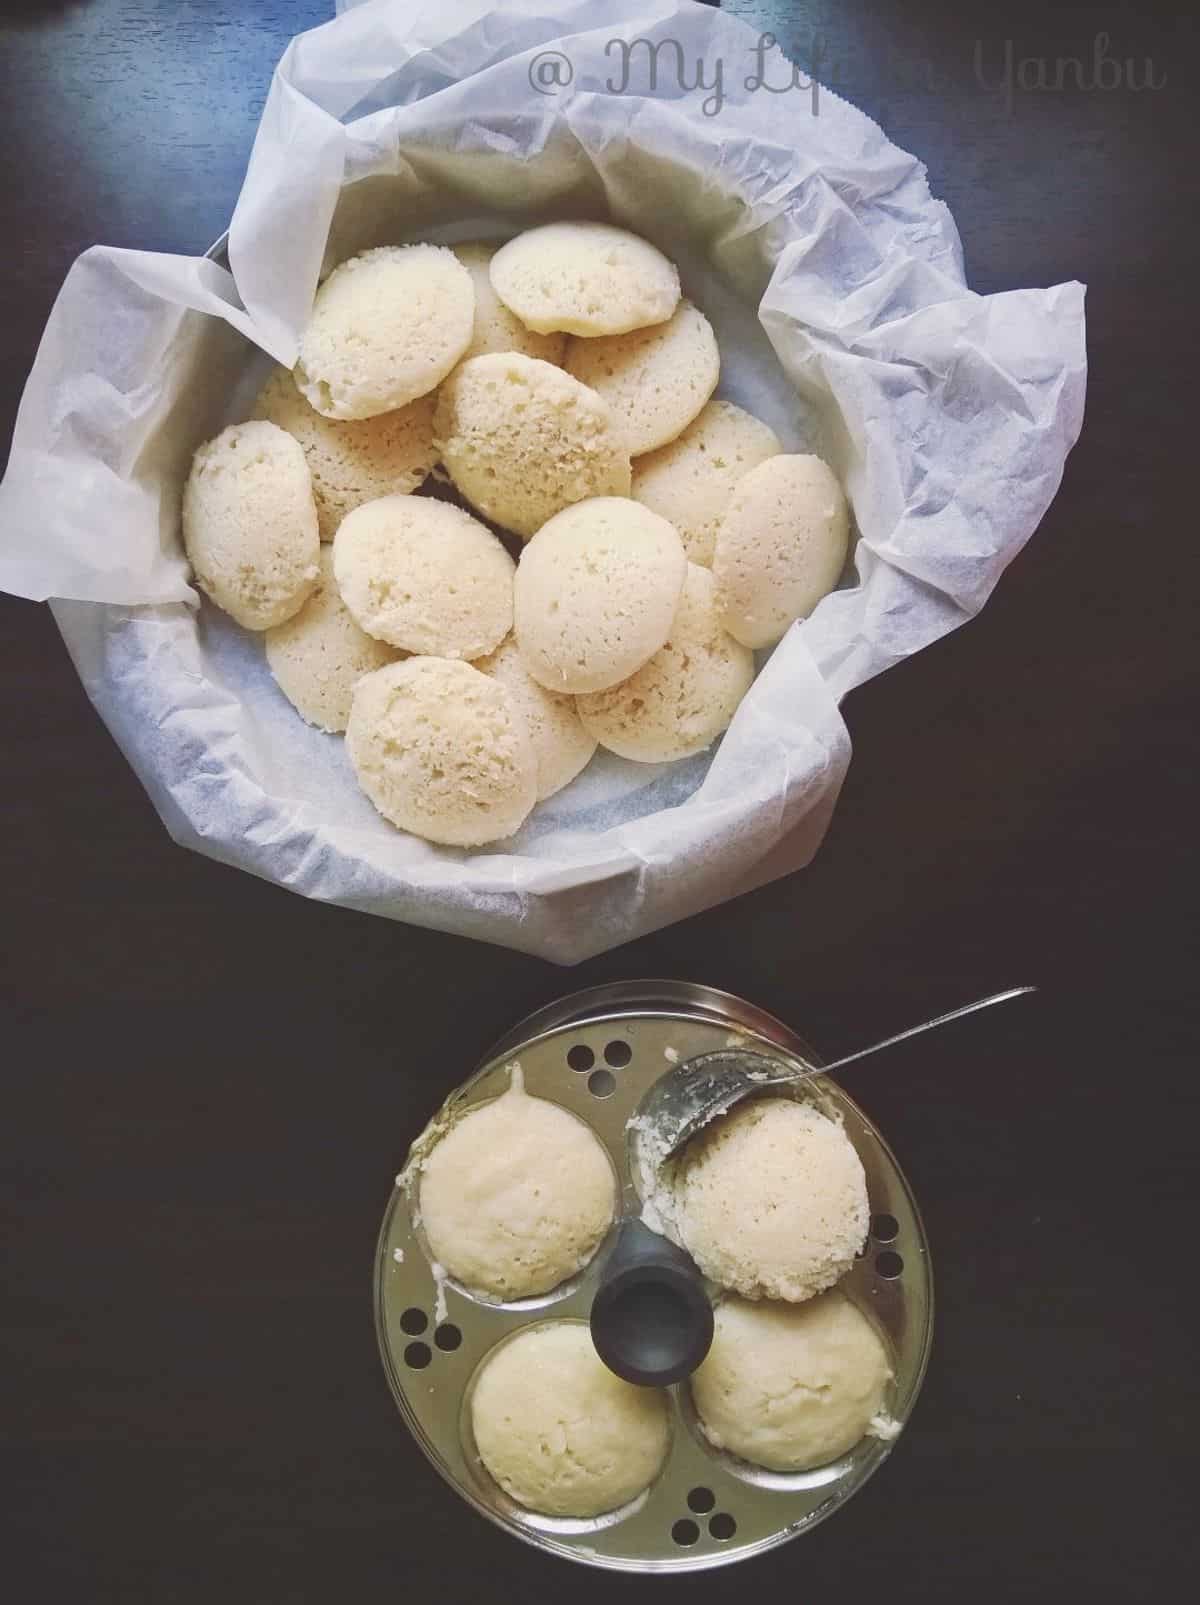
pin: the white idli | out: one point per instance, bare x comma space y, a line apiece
655, 380
561, 745
522, 440
678, 703
441, 751
771, 1200
496, 328
516, 1197
425, 576
319, 654
691, 480
352, 461
585, 278
791, 1386
595, 594
781, 546
250, 524
386, 327
558, 1431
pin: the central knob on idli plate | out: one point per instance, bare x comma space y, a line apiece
651, 1320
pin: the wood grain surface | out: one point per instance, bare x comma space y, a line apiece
208, 1083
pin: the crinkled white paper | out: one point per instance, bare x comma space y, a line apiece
835, 285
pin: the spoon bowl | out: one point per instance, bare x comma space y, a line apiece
687, 1098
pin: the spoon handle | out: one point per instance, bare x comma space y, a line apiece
916, 1030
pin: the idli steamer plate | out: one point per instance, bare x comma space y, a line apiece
597, 1053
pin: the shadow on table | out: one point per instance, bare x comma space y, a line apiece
29, 13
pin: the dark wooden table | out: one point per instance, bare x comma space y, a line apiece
207, 1083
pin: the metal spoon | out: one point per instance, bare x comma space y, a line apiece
688, 1097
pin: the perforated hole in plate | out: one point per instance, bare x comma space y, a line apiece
417, 1355
580, 1057
722, 1526
618, 1054
889, 1265
701, 1500
685, 1533
885, 1228
414, 1321
602, 1083
447, 1337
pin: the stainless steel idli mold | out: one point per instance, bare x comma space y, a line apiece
597, 1053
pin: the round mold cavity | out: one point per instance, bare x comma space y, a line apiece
452, 1110
868, 1451
498, 1500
